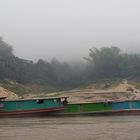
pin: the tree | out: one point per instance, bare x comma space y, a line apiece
5, 49
105, 61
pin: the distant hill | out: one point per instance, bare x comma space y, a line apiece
104, 63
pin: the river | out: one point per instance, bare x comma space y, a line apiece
71, 128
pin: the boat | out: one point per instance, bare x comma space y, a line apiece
60, 107
127, 107
31, 107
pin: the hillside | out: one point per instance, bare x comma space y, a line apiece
104, 63
21, 78
120, 91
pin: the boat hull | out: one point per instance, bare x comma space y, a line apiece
30, 107
30, 113
103, 113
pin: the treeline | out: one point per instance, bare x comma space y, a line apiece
107, 62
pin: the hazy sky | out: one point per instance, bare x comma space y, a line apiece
66, 29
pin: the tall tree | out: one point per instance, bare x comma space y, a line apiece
105, 61
5, 49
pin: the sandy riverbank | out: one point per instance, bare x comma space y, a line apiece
122, 91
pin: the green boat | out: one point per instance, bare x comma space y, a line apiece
31, 107
127, 107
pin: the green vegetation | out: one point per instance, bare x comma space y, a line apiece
105, 64
20, 89
17, 88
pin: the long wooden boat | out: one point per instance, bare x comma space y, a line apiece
31, 107
129, 107
60, 107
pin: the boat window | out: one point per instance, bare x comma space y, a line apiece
40, 101
58, 100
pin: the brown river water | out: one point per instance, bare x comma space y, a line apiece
71, 128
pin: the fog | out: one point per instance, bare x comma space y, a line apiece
67, 29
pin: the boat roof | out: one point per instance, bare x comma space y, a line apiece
109, 101
48, 98
37, 98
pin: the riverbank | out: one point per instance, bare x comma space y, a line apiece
123, 90
120, 92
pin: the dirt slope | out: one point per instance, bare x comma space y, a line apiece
6, 93
123, 91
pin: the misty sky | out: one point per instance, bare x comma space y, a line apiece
66, 29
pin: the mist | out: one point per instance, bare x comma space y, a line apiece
68, 29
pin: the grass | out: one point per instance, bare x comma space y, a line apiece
17, 89
20, 89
